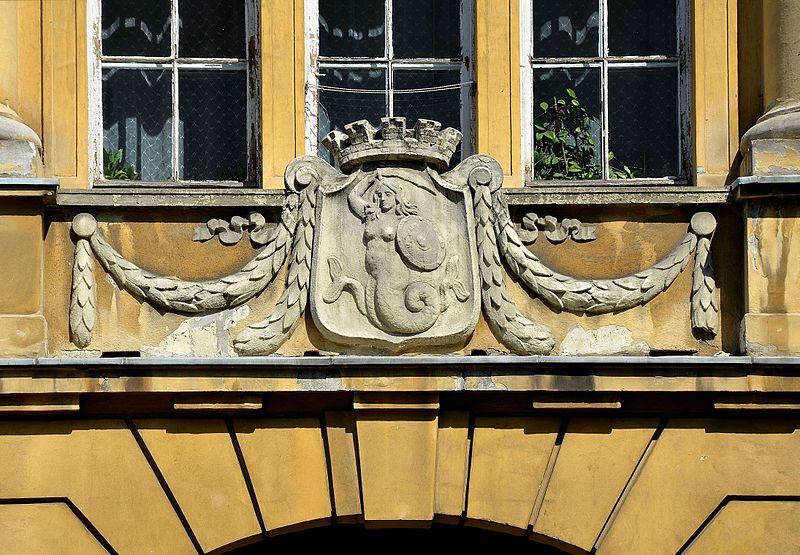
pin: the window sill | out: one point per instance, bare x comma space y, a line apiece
126, 184
154, 196
603, 193
171, 197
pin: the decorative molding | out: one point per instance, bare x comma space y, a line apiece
231, 232
266, 336
449, 249
188, 297
83, 301
561, 292
516, 332
705, 295
556, 232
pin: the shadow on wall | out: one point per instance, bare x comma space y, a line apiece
440, 538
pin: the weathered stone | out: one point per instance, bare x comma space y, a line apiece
23, 336
20, 258
607, 340
20, 147
410, 281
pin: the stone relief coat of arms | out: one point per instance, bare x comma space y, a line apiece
395, 251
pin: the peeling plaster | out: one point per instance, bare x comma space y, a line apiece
201, 336
606, 340
757, 349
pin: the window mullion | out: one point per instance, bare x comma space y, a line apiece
174, 38
390, 56
604, 163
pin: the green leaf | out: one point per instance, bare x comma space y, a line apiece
544, 106
572, 93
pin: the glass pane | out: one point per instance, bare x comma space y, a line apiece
639, 28
211, 29
443, 106
565, 28
137, 119
212, 106
643, 120
136, 27
426, 28
341, 100
567, 136
352, 28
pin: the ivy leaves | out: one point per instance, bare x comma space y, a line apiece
114, 166
566, 145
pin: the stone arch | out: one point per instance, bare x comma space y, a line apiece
610, 484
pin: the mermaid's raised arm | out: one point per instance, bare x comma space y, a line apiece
356, 198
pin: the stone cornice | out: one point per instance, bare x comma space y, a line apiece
765, 186
29, 187
533, 374
156, 197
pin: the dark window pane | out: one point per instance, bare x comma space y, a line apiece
565, 28
136, 27
352, 28
443, 106
426, 28
137, 118
567, 136
212, 106
211, 29
643, 120
642, 28
339, 107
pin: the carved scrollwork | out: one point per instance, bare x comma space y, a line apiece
600, 296
407, 276
484, 175
555, 231
190, 297
306, 174
230, 232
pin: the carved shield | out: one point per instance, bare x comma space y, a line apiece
394, 264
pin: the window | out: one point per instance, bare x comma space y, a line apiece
373, 58
175, 95
606, 92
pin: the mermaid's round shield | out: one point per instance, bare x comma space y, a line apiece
419, 243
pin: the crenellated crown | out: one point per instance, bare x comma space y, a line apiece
362, 143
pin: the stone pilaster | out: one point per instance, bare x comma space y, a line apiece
771, 156
772, 145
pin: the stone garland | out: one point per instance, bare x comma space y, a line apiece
83, 300
266, 336
519, 334
188, 297
705, 295
600, 296
496, 236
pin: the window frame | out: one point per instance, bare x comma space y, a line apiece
251, 65
682, 60
313, 63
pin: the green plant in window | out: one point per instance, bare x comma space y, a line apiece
239, 173
114, 166
565, 146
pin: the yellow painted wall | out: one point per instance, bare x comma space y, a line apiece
43, 76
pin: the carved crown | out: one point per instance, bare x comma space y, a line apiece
362, 143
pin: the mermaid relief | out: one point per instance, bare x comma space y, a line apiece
405, 291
